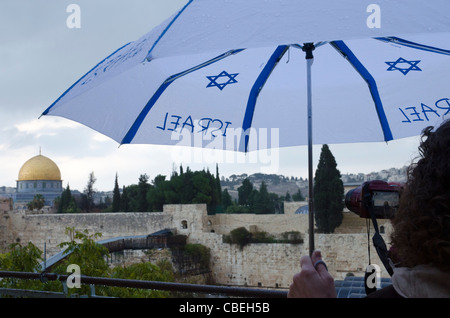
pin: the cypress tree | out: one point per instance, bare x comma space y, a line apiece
116, 196
65, 200
298, 196
218, 187
124, 200
244, 192
226, 199
89, 191
287, 197
328, 193
262, 203
143, 187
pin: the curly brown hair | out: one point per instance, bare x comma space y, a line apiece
422, 225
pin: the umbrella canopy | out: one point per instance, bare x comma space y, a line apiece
217, 69
231, 75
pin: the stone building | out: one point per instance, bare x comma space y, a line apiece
38, 175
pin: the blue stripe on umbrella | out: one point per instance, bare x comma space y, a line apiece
345, 50
256, 89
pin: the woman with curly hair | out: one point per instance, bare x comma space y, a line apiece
421, 231
421, 235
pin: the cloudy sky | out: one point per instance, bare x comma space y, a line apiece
40, 57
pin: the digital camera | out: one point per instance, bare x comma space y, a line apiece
377, 197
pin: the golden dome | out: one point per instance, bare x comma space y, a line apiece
39, 168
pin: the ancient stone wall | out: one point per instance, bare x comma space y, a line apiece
265, 265
50, 229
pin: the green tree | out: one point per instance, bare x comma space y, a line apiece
89, 191
298, 196
244, 192
202, 188
21, 259
287, 197
66, 202
130, 198
216, 188
87, 254
141, 271
226, 199
174, 189
116, 196
143, 187
235, 208
185, 188
261, 200
90, 257
328, 193
38, 202
64, 199
125, 200
156, 195
72, 207
277, 203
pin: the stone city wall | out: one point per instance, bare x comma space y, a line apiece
265, 265
270, 223
50, 229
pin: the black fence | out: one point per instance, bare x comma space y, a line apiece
210, 290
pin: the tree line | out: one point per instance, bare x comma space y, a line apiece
252, 200
186, 187
183, 187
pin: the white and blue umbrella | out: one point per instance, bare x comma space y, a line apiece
231, 75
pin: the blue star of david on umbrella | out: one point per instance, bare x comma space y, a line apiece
405, 66
221, 85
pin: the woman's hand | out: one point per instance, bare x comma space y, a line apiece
312, 281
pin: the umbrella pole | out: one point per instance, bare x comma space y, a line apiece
308, 48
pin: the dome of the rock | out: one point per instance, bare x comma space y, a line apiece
39, 168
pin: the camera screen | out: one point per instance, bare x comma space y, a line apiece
385, 204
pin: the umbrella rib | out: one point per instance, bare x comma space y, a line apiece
45, 112
342, 48
413, 45
195, 68
256, 89
129, 136
166, 29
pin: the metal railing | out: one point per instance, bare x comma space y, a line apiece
142, 284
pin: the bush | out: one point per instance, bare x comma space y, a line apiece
142, 271
234, 208
198, 252
90, 256
240, 236
292, 237
262, 237
21, 259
